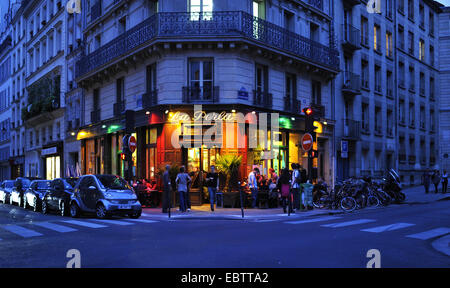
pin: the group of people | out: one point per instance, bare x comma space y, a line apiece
183, 184
287, 185
435, 177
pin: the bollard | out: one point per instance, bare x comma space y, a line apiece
241, 197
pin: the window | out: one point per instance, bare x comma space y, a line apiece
389, 44
432, 120
261, 78
412, 79
401, 75
201, 7
421, 50
422, 84
401, 6
316, 92
364, 31
97, 42
389, 84
389, 122
410, 43
289, 23
314, 32
411, 10
96, 102
412, 114
401, 111
365, 117
431, 88
401, 37
291, 89
422, 16
431, 55
431, 23
365, 74
122, 25
422, 117
377, 79
376, 38
259, 9
151, 78
120, 91
378, 120
389, 8
201, 78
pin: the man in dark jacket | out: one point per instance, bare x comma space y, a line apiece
436, 180
167, 189
426, 181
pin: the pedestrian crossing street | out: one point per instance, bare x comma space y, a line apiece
370, 226
65, 225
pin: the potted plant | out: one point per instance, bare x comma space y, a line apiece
228, 165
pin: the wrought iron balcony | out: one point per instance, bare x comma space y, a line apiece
150, 99
292, 105
119, 108
316, 4
351, 129
351, 37
201, 94
351, 83
262, 99
176, 25
95, 116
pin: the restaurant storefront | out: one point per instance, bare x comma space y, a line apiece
181, 137
52, 158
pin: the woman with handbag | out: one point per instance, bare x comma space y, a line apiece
284, 188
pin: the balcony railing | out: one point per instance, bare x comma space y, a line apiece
292, 105
201, 94
150, 99
352, 83
351, 37
119, 108
262, 99
211, 25
95, 116
351, 128
316, 4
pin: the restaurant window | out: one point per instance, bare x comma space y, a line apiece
53, 167
201, 78
151, 162
203, 7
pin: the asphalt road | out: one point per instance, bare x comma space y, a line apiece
404, 235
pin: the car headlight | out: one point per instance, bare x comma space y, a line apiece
114, 201
108, 195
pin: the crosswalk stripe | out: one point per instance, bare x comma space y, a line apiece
115, 222
313, 220
430, 233
348, 223
391, 227
142, 220
85, 224
55, 227
24, 232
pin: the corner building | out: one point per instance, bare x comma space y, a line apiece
159, 58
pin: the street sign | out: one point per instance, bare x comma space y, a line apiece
132, 144
307, 142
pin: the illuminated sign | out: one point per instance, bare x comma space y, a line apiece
202, 116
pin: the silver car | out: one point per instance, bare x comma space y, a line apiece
104, 195
5, 190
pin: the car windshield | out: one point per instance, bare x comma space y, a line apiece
25, 182
9, 184
42, 185
113, 182
69, 183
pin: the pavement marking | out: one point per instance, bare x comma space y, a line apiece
430, 233
115, 222
85, 224
55, 227
442, 244
391, 227
348, 223
142, 220
24, 232
314, 220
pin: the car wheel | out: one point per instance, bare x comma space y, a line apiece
35, 207
74, 210
62, 209
44, 207
101, 212
135, 215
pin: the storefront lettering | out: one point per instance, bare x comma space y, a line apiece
202, 116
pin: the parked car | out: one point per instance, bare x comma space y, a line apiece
35, 193
5, 190
104, 195
58, 196
21, 184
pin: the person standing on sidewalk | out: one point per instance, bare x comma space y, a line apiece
212, 182
183, 180
283, 186
444, 182
167, 189
436, 180
253, 185
426, 181
296, 185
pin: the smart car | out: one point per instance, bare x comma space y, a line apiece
104, 195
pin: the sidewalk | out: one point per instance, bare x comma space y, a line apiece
416, 195
204, 213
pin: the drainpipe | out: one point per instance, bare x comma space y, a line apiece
333, 112
395, 88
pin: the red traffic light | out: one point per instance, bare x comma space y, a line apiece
122, 156
308, 111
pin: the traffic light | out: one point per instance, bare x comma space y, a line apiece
313, 153
309, 122
123, 156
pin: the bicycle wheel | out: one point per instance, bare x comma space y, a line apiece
348, 204
373, 201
